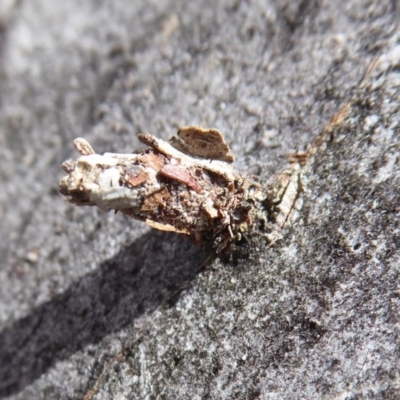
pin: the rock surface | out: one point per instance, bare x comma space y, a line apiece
97, 306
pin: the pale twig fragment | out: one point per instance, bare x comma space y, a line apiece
83, 147
68, 166
172, 191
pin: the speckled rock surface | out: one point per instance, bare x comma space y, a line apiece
97, 306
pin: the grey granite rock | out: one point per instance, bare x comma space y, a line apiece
100, 306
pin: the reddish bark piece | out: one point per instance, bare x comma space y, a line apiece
181, 175
137, 180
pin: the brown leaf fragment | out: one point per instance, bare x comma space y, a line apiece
204, 143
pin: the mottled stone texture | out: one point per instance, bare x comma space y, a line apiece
100, 306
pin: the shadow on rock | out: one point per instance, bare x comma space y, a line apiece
140, 278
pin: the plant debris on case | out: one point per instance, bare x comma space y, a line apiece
187, 186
